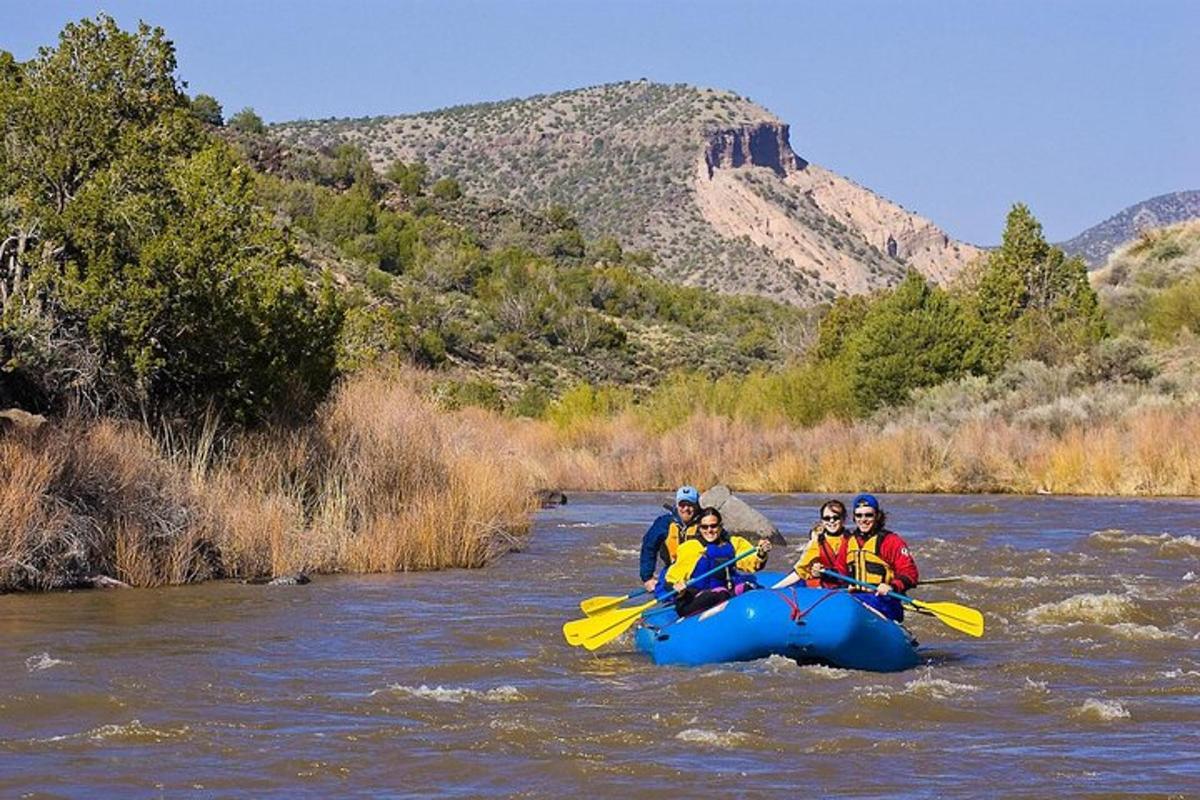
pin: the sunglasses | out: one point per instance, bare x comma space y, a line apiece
831, 519
868, 515
710, 527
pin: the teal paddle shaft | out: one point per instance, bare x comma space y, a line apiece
712, 571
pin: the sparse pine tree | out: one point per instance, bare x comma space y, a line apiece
248, 121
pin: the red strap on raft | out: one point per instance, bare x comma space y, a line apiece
797, 614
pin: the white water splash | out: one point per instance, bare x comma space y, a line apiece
133, 730
608, 548
1103, 710
825, 673
1132, 630
1180, 673
938, 688
43, 661
1163, 543
457, 694
1097, 608
710, 738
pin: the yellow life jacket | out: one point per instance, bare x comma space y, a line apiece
865, 562
677, 535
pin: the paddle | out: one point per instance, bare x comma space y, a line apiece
594, 605
961, 618
592, 632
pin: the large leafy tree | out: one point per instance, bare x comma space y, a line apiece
145, 274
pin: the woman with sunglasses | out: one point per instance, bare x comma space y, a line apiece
827, 541
713, 547
871, 553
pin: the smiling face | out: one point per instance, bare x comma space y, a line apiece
710, 528
833, 517
687, 511
864, 518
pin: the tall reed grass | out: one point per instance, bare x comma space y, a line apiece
382, 481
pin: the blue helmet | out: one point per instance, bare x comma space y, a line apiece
865, 500
687, 494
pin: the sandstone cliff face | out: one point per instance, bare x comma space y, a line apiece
765, 144
814, 220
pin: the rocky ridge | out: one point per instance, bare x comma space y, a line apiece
705, 180
1098, 242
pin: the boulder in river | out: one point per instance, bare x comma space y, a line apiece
739, 517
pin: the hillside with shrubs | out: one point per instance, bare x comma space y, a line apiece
704, 179
251, 359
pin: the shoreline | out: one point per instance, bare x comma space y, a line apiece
383, 480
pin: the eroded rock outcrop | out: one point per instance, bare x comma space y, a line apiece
765, 144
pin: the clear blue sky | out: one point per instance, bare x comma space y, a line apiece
953, 109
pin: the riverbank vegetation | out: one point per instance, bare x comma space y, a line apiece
259, 360
382, 480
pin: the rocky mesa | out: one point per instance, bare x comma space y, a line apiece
705, 180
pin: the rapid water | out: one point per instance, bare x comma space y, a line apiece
459, 684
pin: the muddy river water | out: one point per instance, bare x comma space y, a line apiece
459, 684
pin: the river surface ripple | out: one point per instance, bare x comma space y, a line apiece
459, 684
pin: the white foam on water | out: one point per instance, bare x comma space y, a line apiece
938, 688
1103, 710
1164, 543
1013, 582
134, 729
457, 694
1181, 673
609, 548
710, 738
1190, 576
1037, 686
1097, 608
1132, 630
43, 661
823, 672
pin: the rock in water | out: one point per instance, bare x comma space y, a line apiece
548, 498
739, 517
299, 579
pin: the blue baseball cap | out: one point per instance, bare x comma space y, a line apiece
865, 500
687, 494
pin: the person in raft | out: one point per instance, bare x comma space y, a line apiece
667, 532
871, 553
711, 548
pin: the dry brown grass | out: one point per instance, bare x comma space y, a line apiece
1148, 451
383, 481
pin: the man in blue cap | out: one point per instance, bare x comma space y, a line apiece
667, 532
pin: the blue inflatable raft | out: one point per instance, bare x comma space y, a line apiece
813, 626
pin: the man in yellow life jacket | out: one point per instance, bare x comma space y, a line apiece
667, 532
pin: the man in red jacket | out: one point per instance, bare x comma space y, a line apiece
873, 554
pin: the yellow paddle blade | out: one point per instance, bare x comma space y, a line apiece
594, 605
577, 630
591, 632
961, 618
622, 620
